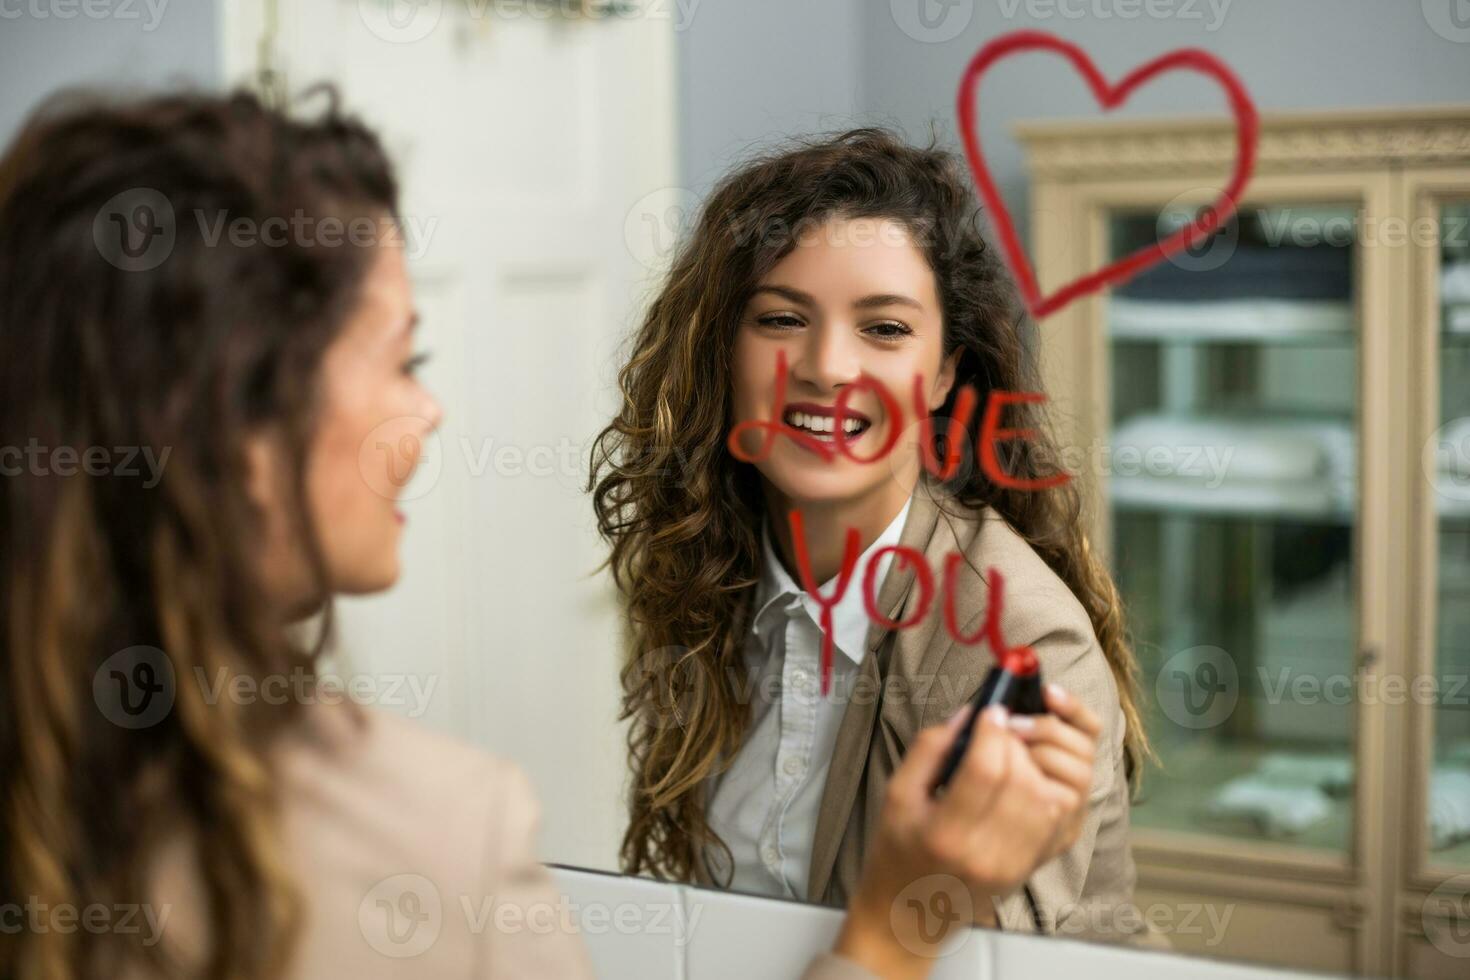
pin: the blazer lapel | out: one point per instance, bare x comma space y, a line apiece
855, 735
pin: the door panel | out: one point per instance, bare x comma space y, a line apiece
519, 163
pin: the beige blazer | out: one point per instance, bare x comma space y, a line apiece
923, 677
416, 857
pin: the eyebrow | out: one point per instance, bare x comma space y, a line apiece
865, 303
887, 299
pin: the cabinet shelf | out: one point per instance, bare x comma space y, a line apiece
1311, 503
1334, 340
1243, 321
1295, 560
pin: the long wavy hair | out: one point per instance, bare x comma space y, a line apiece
683, 517
110, 346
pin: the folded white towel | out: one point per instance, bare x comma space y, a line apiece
1238, 319
1457, 318
1452, 450
1449, 807
1277, 811
1252, 448
1454, 282
1305, 498
1331, 774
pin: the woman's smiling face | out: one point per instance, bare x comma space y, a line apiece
855, 298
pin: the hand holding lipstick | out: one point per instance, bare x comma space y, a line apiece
1003, 817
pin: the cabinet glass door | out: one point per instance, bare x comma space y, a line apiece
1447, 810
1232, 481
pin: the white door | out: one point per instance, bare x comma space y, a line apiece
524, 140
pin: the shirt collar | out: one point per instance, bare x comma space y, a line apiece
777, 590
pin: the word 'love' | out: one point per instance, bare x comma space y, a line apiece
991, 431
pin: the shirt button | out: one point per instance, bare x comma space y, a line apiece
769, 853
792, 765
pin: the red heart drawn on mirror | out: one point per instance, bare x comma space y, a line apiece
1109, 96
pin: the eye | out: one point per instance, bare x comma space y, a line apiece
411, 366
888, 330
780, 321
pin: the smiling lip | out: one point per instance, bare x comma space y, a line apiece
819, 421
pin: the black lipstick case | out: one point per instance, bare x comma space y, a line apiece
1019, 693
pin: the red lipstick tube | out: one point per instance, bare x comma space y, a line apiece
1015, 683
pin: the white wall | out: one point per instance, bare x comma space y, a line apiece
753, 69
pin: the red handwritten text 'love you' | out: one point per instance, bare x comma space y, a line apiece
991, 433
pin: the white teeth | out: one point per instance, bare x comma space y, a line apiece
823, 425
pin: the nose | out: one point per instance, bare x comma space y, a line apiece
827, 358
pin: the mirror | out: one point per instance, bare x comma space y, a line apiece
687, 332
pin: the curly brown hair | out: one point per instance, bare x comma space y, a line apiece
685, 552
189, 355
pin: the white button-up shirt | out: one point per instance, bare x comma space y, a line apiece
765, 805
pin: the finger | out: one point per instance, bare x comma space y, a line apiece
1063, 767
983, 770
1070, 709
1028, 782
1034, 794
1046, 730
921, 764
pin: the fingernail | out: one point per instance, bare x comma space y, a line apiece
998, 713
1057, 692
1023, 724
